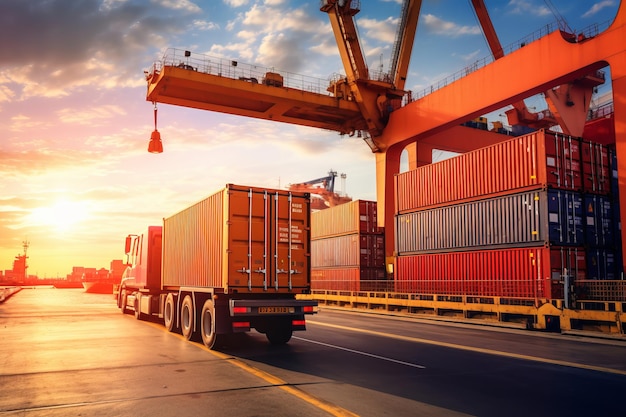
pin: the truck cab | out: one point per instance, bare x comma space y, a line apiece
143, 260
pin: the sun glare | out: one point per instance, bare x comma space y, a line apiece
63, 215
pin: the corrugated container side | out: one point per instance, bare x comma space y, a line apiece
596, 168
601, 264
521, 273
566, 218
195, 243
540, 159
358, 250
242, 238
599, 229
349, 279
614, 181
357, 216
525, 219
346, 279
562, 158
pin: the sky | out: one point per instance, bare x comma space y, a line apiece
75, 174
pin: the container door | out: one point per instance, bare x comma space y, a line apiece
565, 218
289, 241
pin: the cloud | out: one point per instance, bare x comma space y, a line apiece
92, 116
205, 25
185, 5
526, 7
597, 7
441, 27
235, 3
57, 46
382, 30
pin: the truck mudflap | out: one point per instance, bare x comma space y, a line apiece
266, 308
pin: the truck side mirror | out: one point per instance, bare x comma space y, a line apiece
127, 247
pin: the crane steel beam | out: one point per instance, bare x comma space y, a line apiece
488, 29
196, 89
406, 37
341, 16
540, 65
571, 118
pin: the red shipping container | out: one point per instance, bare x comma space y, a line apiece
348, 279
537, 160
517, 273
359, 216
356, 250
596, 168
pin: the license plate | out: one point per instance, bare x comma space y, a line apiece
276, 310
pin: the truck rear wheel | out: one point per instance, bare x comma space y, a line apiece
207, 324
137, 306
123, 301
169, 313
279, 334
187, 317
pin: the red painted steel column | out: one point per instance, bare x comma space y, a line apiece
387, 166
619, 103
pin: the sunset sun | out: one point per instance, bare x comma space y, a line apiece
62, 216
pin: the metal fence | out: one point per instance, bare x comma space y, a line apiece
236, 70
585, 290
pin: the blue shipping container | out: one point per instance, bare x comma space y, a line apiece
599, 230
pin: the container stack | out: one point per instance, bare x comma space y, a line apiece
508, 220
347, 248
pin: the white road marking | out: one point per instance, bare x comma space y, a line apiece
371, 355
474, 349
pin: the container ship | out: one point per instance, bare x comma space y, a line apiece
103, 281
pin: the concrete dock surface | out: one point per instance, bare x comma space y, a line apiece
64, 352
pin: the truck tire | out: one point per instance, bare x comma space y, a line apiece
123, 301
279, 333
137, 306
187, 317
169, 313
207, 324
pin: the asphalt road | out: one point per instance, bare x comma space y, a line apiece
64, 352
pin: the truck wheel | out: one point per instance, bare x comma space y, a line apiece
137, 306
123, 301
207, 324
119, 299
280, 334
187, 317
169, 313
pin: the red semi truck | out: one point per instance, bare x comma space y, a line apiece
232, 262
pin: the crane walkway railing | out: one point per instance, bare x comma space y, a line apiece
588, 32
223, 67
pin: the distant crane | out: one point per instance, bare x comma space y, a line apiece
322, 191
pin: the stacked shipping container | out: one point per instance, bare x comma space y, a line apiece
347, 247
508, 220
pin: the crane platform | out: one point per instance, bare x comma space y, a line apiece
215, 84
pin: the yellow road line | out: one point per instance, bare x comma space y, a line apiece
472, 349
330, 408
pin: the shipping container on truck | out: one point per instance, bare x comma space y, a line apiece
232, 262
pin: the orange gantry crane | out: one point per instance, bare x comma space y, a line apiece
370, 105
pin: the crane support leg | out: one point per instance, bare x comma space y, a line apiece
569, 103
